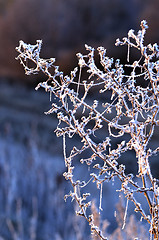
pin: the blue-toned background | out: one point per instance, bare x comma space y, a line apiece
31, 163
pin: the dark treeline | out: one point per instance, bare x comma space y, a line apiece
65, 26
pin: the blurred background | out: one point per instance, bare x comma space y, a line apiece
31, 165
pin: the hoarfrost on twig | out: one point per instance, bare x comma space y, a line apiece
131, 112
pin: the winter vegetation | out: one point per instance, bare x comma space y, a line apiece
126, 110
31, 179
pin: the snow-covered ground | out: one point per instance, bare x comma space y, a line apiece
32, 186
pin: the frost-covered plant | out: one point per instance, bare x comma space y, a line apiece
128, 113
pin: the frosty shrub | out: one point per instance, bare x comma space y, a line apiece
129, 113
